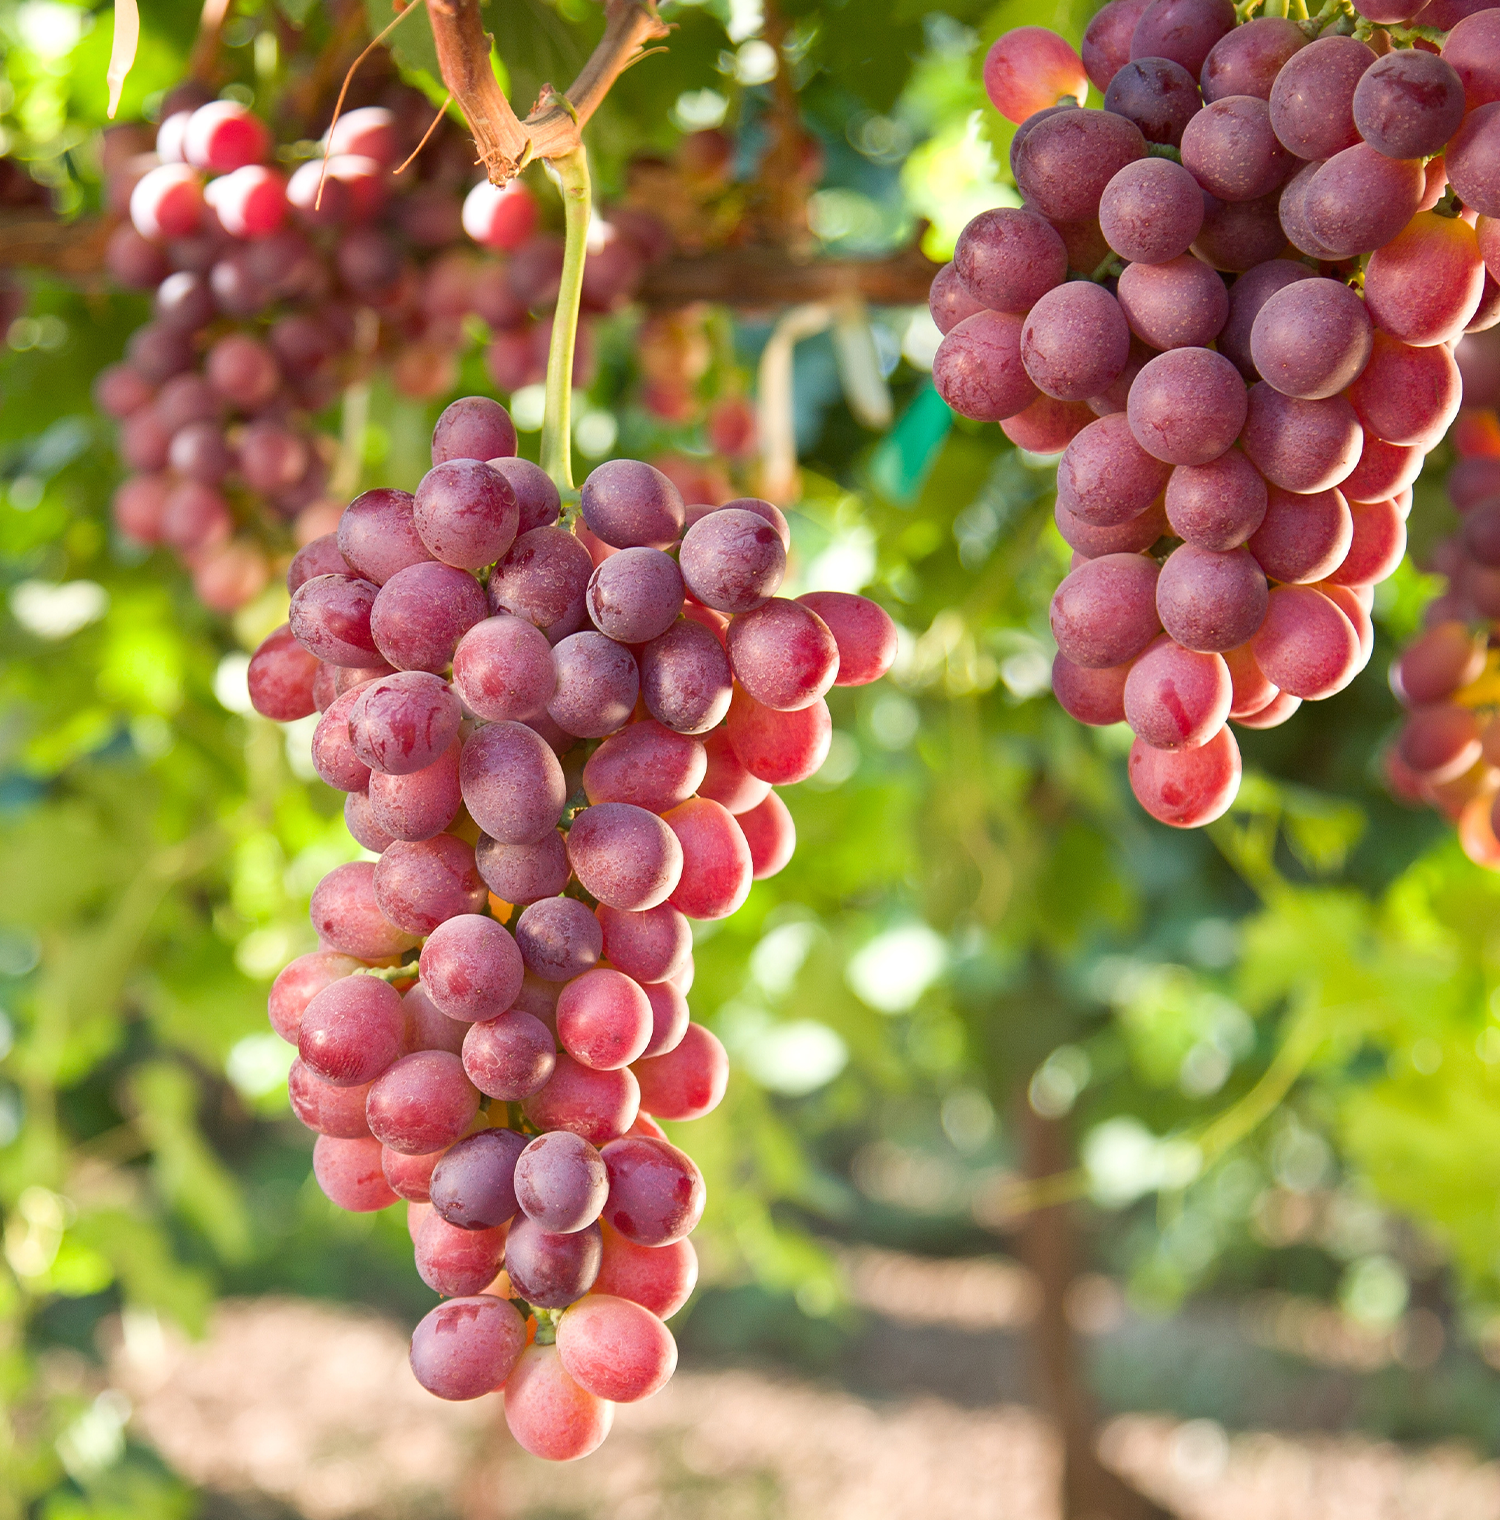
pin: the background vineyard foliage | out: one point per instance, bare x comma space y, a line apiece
1302, 1000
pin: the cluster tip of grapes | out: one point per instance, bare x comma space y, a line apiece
1229, 301
562, 747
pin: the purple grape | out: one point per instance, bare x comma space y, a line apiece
1246, 297
183, 302
330, 615
1246, 60
422, 612
523, 873
635, 595
1187, 406
471, 967
1158, 95
548, 1269
685, 678
1211, 602
1230, 149
628, 504
474, 428
1183, 30
597, 685
420, 803
466, 513
1066, 161
510, 1057
624, 856
377, 534
421, 884
544, 579
502, 669
512, 783
1104, 612
199, 452
559, 938
1311, 339
1151, 211
466, 1347
1312, 100
732, 560
403, 723
978, 369
560, 1182
473, 1186
1179, 303
1217, 505
1006, 260
158, 352
537, 499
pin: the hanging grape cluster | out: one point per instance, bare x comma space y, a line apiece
562, 747
1229, 300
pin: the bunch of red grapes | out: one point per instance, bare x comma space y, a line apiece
1230, 301
1447, 753
273, 292
562, 748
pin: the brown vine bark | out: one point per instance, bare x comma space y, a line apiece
1048, 1246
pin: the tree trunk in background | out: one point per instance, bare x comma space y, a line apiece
1048, 1246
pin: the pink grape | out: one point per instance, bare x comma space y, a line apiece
597, 685
421, 884
1177, 698
1006, 260
1232, 152
347, 916
732, 560
1247, 296
725, 779
649, 946
783, 654
1210, 601
1305, 646
1246, 60
455, 1262
1151, 211
978, 369
333, 753
280, 677
614, 1348
1311, 339
558, 938
624, 856
421, 614
467, 1347
1217, 505
471, 967
1175, 303
348, 1171
685, 678
1106, 40
1301, 446
779, 747
330, 616
502, 669
500, 216
1187, 406
630, 504
1047, 426
1028, 69
949, 301
1068, 158
419, 804
509, 1057
1303, 538
523, 873
1093, 696
404, 722
1376, 547
635, 595
361, 824
301, 981
669, 1018
647, 765
223, 136
1075, 341
410, 1177
560, 1182
537, 501
548, 1413
1182, 30
422, 1103
326, 1107
1104, 612
377, 535
466, 513
320, 557
658, 1278
427, 1028
473, 428
1407, 395
656, 1193
598, 1105
716, 863
1106, 477
1186, 788
512, 783
1312, 100
686, 1082
771, 835
167, 202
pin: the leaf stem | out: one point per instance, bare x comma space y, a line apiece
571, 171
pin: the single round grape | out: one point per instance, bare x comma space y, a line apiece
348, 1171
1186, 788
1006, 260
351, 1031
656, 1193
716, 866
473, 1185
1177, 698
549, 1415
537, 501
1306, 646
1182, 30
466, 513
1187, 406
1232, 152
615, 1349
598, 1105
1408, 104
551, 1268
559, 938
1067, 160
631, 505
1301, 446
1407, 395
1131, 537
783, 654
1377, 547
544, 579
863, 631
422, 612
330, 616
597, 685
512, 783
771, 835
649, 946
474, 428
687, 1081
421, 884
301, 981
1074, 342
1312, 100
1027, 68
1435, 665
502, 669
1158, 95
1440, 742
280, 677
419, 804
1106, 477
732, 560
427, 1027
1211, 601
647, 765
346, 915
523, 873
199, 452
1425, 285
1178, 303
509, 1057
948, 302
560, 1182
1359, 200
1104, 612
624, 856
1151, 211
320, 557
361, 824
404, 722
1048, 426
467, 1347
471, 967
1217, 505
658, 1278
779, 747
685, 677
422, 1103
333, 755
1106, 40
978, 370
1246, 60
455, 1262
243, 371
1093, 696
1303, 538
635, 595
325, 1107
1247, 296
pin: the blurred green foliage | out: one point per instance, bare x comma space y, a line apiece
1299, 1001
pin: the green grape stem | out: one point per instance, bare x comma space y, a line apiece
571, 172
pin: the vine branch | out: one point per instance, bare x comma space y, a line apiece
554, 128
